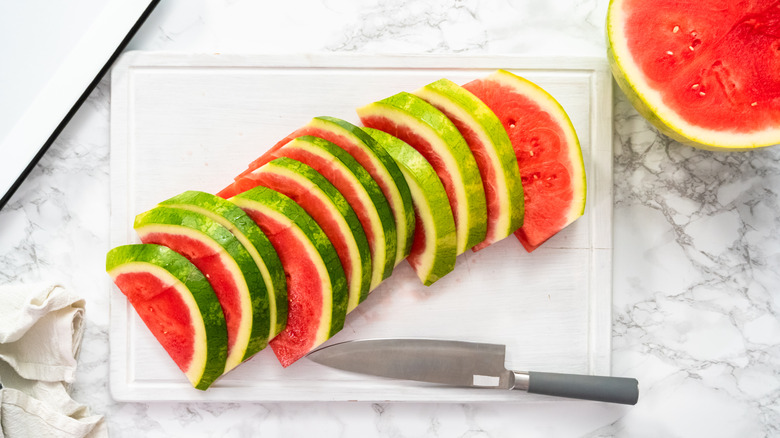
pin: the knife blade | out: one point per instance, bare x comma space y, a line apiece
467, 364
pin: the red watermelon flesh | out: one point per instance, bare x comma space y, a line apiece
552, 199
214, 268
147, 293
715, 62
304, 292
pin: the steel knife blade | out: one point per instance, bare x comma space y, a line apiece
466, 364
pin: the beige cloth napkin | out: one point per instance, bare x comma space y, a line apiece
41, 327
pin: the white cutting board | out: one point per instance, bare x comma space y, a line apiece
192, 122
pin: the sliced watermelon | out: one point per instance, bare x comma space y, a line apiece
375, 160
547, 150
361, 191
255, 242
328, 207
492, 150
433, 253
431, 133
316, 284
177, 304
230, 269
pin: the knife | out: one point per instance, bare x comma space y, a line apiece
466, 364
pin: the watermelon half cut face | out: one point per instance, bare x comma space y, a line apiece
704, 72
176, 302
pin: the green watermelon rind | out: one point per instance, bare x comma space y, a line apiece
349, 223
253, 335
432, 205
383, 265
255, 242
282, 208
649, 103
412, 111
397, 192
160, 260
457, 102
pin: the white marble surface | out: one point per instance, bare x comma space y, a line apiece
696, 299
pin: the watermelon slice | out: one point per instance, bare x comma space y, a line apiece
547, 150
177, 304
316, 284
361, 191
433, 253
255, 242
328, 207
375, 160
230, 269
704, 72
492, 149
431, 133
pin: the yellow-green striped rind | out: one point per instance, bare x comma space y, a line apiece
407, 111
464, 108
432, 206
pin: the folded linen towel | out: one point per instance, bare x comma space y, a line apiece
41, 327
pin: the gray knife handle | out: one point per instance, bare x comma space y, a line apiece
599, 388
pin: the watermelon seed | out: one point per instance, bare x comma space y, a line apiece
676, 29
754, 104
669, 52
701, 93
694, 86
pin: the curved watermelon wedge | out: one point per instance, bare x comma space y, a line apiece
177, 304
431, 133
492, 150
227, 265
375, 160
316, 284
433, 252
704, 72
255, 242
547, 150
356, 185
328, 207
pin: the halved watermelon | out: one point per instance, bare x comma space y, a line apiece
375, 160
547, 150
433, 252
328, 207
704, 72
361, 191
431, 133
227, 265
316, 284
177, 304
255, 242
492, 149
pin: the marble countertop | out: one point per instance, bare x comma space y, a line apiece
696, 290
